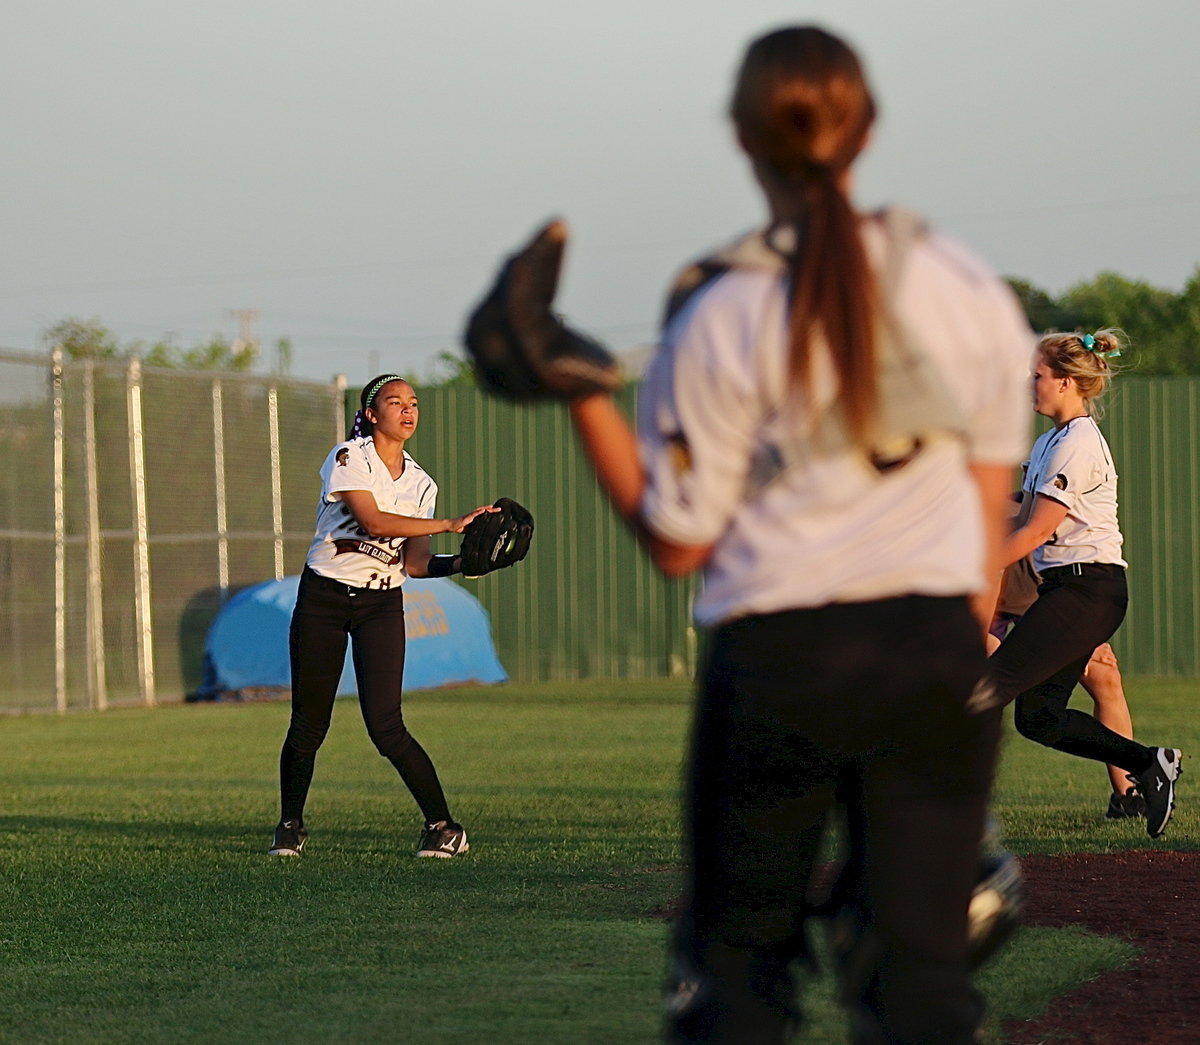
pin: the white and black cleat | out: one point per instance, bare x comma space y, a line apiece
1156, 785
443, 840
289, 840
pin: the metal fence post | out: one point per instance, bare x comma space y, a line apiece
1193, 516
97, 679
339, 407
218, 414
276, 480
141, 540
60, 534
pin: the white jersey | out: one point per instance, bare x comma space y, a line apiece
1073, 466
343, 551
825, 530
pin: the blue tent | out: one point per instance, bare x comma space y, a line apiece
448, 640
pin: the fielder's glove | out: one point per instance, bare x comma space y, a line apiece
495, 540
520, 349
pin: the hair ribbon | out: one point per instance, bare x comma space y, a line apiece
1089, 343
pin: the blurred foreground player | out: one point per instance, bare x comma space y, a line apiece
828, 433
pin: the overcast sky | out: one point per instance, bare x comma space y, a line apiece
353, 171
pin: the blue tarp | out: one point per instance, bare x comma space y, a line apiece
448, 640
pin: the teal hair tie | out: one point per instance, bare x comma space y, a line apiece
1089, 343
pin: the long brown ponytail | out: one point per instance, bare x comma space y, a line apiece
803, 110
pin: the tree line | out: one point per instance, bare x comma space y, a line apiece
1163, 327
91, 339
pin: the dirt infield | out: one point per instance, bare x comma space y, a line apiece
1150, 898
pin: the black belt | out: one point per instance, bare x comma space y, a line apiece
1081, 569
334, 585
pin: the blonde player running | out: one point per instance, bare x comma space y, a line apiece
1071, 528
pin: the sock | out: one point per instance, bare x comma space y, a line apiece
416, 770
295, 778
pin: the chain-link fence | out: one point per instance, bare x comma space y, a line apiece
134, 501
138, 499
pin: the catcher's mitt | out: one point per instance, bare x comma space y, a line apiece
496, 539
520, 349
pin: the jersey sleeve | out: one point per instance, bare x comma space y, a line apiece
999, 431
995, 366
697, 424
346, 468
1071, 469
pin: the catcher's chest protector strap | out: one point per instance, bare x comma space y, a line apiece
915, 406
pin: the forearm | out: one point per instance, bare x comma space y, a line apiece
433, 566
375, 522
611, 446
384, 524
1044, 520
993, 483
420, 562
1021, 542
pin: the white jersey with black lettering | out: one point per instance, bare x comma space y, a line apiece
829, 527
341, 549
1073, 466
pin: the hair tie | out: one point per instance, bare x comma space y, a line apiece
1089, 343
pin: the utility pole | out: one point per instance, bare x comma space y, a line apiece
246, 338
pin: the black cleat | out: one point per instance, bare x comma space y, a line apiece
443, 839
1127, 806
290, 837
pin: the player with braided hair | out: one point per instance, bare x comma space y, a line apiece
1069, 524
374, 521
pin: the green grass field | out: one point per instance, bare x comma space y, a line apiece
137, 902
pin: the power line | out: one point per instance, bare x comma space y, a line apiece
627, 246
1050, 208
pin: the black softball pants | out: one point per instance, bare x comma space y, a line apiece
868, 698
1042, 658
327, 615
